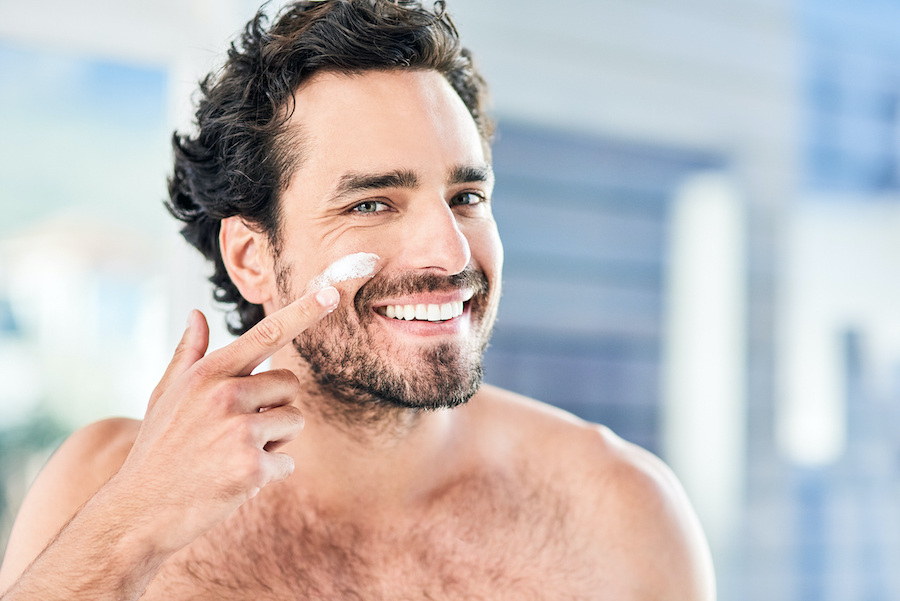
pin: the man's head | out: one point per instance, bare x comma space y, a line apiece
244, 153
385, 156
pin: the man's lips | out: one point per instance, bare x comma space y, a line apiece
427, 307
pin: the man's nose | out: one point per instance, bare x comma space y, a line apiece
434, 241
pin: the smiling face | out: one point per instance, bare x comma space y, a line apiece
392, 165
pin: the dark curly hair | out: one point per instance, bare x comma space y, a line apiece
243, 156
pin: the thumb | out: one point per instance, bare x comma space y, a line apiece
190, 349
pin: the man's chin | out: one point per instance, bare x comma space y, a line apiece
371, 372
441, 379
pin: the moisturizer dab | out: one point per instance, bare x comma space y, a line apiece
349, 267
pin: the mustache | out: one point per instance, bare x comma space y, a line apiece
414, 283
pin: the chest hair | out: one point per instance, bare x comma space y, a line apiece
481, 538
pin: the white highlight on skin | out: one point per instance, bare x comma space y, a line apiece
349, 267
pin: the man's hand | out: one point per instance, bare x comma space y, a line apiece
207, 444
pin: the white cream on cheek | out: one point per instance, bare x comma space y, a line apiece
349, 267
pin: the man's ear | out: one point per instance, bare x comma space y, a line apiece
247, 259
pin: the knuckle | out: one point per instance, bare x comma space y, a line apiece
245, 430
226, 392
194, 384
287, 378
304, 310
181, 348
293, 416
268, 331
251, 471
202, 370
157, 393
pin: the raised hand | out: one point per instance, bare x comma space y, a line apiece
209, 438
207, 444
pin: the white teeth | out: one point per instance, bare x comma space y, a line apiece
424, 312
444, 312
434, 312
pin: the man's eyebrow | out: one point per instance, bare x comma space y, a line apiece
353, 183
465, 174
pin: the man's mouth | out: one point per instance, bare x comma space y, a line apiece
426, 312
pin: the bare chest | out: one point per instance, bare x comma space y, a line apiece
470, 547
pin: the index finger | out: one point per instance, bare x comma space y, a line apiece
273, 332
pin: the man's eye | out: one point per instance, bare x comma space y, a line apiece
369, 206
467, 198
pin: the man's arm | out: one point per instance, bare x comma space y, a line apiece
74, 474
203, 449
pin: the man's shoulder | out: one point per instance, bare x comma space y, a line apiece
98, 450
75, 472
554, 435
85, 461
614, 492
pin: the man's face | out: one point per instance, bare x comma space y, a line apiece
393, 165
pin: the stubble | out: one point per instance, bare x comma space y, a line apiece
370, 380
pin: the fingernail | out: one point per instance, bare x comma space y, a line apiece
328, 296
190, 320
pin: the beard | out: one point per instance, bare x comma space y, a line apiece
363, 375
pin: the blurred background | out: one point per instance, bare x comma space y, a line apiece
700, 205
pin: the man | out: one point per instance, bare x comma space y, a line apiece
350, 126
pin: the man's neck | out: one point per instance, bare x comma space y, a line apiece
371, 424
386, 454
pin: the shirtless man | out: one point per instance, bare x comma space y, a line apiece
349, 127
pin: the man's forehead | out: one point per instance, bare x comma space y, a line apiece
330, 92
379, 130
